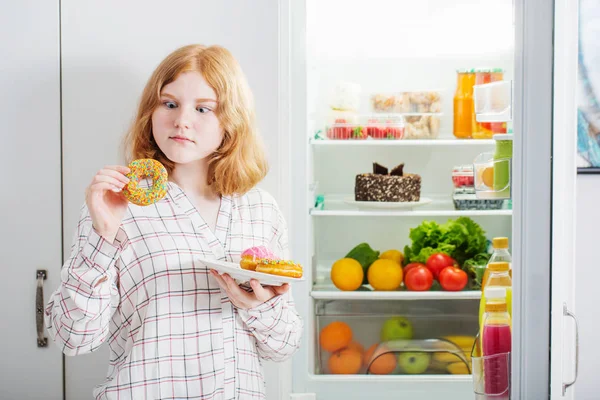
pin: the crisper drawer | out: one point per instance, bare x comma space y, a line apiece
424, 337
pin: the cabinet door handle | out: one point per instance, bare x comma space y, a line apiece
568, 313
42, 341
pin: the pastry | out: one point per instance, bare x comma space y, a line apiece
279, 267
146, 168
251, 255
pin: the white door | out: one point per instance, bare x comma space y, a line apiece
109, 50
30, 209
563, 326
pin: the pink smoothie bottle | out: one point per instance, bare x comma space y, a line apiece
497, 341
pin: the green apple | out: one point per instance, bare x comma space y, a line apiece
414, 363
396, 328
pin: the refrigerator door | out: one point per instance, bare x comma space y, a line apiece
564, 358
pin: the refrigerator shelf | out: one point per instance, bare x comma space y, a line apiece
330, 292
415, 213
406, 142
466, 380
430, 206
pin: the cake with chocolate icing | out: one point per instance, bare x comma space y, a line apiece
392, 186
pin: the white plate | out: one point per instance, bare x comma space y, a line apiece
243, 275
386, 205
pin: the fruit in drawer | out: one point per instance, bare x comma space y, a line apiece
385, 275
394, 255
414, 362
396, 328
356, 346
384, 364
365, 255
458, 368
465, 342
335, 336
347, 274
447, 357
345, 361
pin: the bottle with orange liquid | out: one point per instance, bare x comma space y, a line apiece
464, 108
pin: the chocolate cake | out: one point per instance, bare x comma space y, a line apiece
383, 186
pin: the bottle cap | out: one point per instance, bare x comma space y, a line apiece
500, 243
498, 266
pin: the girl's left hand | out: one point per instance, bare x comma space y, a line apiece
246, 300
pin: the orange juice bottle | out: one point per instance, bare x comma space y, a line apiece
498, 275
464, 108
483, 130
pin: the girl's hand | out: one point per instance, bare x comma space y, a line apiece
105, 201
246, 300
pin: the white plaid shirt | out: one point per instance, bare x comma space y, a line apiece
172, 332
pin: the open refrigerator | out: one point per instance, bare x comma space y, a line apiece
373, 92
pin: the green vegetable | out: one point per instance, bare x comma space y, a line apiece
475, 268
461, 239
365, 255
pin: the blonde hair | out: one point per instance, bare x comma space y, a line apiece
239, 163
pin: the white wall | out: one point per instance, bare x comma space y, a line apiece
587, 278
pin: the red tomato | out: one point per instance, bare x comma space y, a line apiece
437, 262
453, 279
411, 266
418, 279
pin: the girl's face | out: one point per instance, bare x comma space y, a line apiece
184, 125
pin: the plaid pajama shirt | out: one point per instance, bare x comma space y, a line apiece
172, 332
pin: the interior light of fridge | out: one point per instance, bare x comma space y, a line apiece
410, 28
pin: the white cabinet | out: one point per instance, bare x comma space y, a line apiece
30, 205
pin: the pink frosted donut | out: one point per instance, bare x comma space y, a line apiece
253, 254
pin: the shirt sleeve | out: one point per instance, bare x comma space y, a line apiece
276, 324
78, 313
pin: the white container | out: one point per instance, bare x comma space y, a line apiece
493, 101
345, 96
344, 125
422, 126
407, 102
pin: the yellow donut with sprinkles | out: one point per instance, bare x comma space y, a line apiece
146, 168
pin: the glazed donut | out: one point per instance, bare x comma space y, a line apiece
252, 254
279, 267
142, 168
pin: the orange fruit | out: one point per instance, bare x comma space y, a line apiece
347, 274
384, 364
385, 275
394, 255
356, 346
345, 361
488, 177
335, 336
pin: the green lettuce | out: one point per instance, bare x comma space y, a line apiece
461, 239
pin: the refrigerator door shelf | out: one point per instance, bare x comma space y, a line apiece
493, 101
